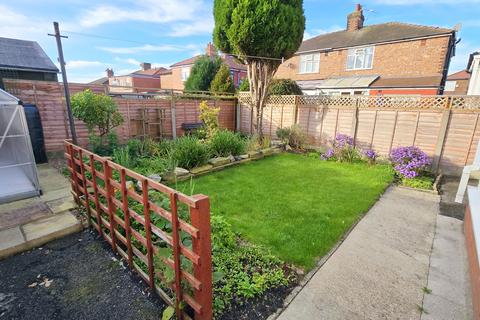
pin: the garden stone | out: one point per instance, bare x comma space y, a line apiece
201, 169
130, 185
255, 154
232, 158
243, 156
288, 148
180, 172
220, 161
155, 177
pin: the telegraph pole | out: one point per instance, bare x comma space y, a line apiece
61, 60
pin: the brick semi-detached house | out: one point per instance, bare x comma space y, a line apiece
147, 79
178, 73
383, 59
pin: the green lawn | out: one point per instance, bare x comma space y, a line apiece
297, 207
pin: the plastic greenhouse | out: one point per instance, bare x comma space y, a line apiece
18, 172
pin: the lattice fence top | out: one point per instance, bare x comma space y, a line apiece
386, 102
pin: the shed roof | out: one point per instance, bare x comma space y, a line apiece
377, 33
24, 55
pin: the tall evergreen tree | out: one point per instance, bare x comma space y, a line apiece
203, 71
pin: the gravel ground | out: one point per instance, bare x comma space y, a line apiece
76, 277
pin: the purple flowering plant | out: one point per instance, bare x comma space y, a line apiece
329, 154
409, 162
370, 155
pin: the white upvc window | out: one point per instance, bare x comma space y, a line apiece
185, 73
309, 63
450, 85
360, 58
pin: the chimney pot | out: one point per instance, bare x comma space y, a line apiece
355, 19
145, 66
109, 72
211, 51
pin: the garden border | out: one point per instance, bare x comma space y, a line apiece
101, 211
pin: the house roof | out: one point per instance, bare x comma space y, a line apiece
460, 75
378, 33
431, 81
231, 61
149, 73
103, 80
24, 55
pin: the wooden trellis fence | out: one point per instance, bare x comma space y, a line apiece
446, 127
131, 223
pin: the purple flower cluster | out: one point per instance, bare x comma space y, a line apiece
409, 161
343, 140
370, 154
328, 154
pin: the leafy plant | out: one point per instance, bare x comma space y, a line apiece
226, 142
223, 82
97, 111
189, 152
284, 87
283, 134
294, 136
371, 156
409, 162
344, 148
123, 157
202, 73
209, 116
244, 86
419, 182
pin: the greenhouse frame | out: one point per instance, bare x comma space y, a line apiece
18, 171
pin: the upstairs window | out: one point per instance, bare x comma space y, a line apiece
360, 58
185, 73
309, 63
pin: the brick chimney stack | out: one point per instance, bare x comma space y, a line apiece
109, 72
211, 51
355, 19
145, 66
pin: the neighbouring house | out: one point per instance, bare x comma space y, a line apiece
145, 80
180, 71
473, 67
457, 83
384, 59
23, 59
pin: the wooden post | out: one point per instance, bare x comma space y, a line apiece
394, 131
173, 113
107, 174
200, 219
297, 103
446, 115
85, 187
238, 115
148, 233
126, 214
355, 122
95, 194
176, 253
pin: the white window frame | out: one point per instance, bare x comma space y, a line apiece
353, 52
309, 63
450, 85
185, 73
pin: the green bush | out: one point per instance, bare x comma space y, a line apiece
283, 134
244, 86
293, 136
225, 143
419, 182
284, 87
189, 152
148, 166
202, 73
123, 157
223, 82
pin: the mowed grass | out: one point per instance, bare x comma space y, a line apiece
297, 207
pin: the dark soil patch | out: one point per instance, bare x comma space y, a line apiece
87, 282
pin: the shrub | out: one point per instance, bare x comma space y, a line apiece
123, 157
209, 116
409, 162
284, 87
244, 86
202, 73
189, 152
293, 136
344, 149
370, 155
148, 166
254, 143
222, 83
419, 182
225, 143
103, 145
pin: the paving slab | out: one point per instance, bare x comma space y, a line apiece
448, 279
44, 230
11, 240
379, 271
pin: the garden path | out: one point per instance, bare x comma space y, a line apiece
380, 271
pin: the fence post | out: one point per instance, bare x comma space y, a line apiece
107, 174
446, 115
355, 121
238, 115
200, 218
173, 113
295, 120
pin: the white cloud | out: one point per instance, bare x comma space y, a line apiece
316, 32
201, 26
128, 61
148, 48
155, 11
80, 64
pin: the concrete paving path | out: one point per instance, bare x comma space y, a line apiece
28, 223
380, 271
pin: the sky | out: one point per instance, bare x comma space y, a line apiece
120, 34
